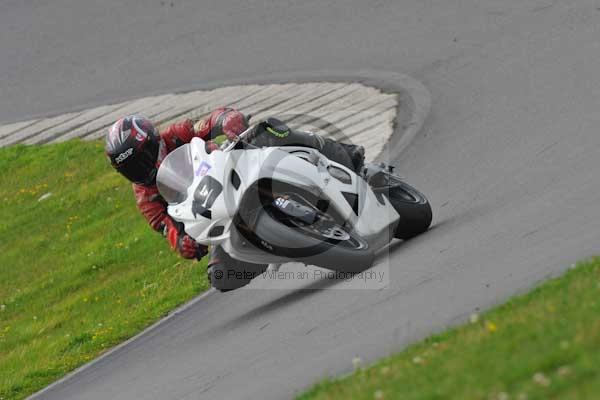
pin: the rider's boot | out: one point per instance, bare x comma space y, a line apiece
377, 174
356, 154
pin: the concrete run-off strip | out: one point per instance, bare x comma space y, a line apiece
359, 113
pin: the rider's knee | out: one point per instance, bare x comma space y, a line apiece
234, 275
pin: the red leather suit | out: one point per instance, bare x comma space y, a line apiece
150, 203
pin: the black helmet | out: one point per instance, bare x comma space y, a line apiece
132, 145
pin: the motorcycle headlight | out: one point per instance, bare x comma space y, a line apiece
340, 174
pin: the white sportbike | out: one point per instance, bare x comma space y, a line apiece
273, 205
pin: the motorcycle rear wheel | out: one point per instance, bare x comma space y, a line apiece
413, 207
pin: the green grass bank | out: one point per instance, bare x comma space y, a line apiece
80, 269
542, 345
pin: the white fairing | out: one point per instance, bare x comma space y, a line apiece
286, 164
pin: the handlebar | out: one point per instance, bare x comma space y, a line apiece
230, 144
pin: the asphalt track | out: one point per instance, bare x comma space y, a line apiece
508, 157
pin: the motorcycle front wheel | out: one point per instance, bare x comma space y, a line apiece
322, 243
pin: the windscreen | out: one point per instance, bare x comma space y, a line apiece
175, 175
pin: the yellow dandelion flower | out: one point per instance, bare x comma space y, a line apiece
491, 327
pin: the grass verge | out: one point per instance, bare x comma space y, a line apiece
542, 345
80, 270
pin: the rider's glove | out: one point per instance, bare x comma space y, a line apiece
189, 248
183, 243
232, 123
223, 121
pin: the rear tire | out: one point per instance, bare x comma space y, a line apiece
414, 209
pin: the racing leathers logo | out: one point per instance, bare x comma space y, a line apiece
276, 133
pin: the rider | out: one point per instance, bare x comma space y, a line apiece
135, 149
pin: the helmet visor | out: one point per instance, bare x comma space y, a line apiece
140, 166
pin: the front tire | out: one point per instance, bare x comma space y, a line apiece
296, 244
